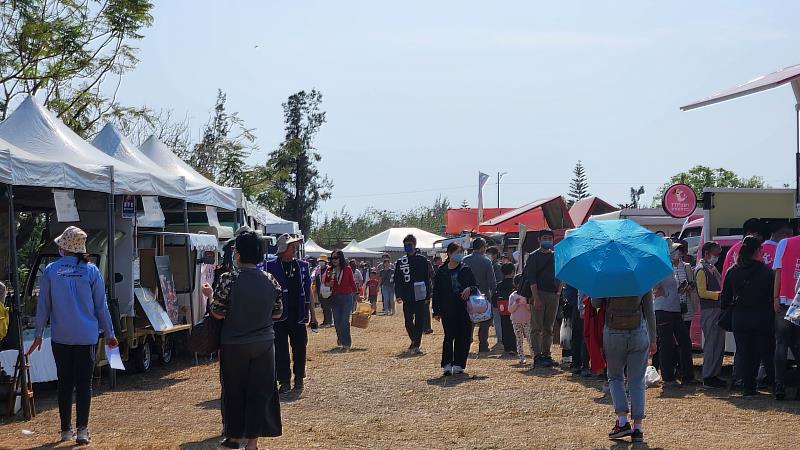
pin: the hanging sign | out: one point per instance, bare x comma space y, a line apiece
152, 216
679, 201
211, 212
128, 207
66, 209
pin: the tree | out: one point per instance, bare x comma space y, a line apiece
72, 54
636, 195
579, 186
163, 124
296, 184
226, 143
464, 203
701, 177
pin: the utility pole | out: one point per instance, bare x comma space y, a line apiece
499, 177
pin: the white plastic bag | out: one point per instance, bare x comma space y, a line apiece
479, 309
566, 334
652, 377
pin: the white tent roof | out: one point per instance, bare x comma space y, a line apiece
355, 250
391, 240
20, 168
771, 80
313, 249
198, 187
273, 223
37, 130
113, 143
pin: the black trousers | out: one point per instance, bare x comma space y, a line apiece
457, 338
74, 365
414, 313
751, 348
252, 406
327, 310
509, 338
426, 324
580, 357
672, 331
295, 334
787, 336
483, 335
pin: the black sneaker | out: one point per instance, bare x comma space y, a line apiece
714, 383
299, 386
637, 436
283, 389
780, 392
620, 431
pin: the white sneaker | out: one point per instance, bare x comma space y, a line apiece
67, 436
458, 370
83, 436
446, 370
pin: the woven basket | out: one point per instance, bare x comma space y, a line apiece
359, 320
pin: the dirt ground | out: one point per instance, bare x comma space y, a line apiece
376, 397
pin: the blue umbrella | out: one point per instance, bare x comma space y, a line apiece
614, 258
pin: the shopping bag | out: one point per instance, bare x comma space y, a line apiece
479, 309
652, 377
566, 334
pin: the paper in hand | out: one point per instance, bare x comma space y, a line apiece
114, 358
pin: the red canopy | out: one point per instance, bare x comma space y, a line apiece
466, 219
588, 207
545, 213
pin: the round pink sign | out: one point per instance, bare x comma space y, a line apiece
679, 201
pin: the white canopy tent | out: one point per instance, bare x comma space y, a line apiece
311, 248
20, 168
391, 240
202, 190
355, 250
36, 130
272, 223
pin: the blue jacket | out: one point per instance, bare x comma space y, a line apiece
275, 268
72, 296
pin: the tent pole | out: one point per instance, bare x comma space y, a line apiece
797, 160
22, 370
111, 247
185, 216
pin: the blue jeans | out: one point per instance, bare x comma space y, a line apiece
342, 306
387, 295
498, 326
627, 349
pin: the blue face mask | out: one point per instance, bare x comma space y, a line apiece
458, 257
548, 244
408, 248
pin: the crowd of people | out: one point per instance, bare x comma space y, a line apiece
267, 306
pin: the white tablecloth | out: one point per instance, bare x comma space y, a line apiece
43, 366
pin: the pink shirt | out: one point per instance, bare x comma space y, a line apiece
519, 308
766, 253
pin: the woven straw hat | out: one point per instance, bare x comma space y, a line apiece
73, 240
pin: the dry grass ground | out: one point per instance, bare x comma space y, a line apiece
375, 397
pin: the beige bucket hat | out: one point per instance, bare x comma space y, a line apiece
73, 240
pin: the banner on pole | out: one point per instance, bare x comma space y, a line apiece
482, 179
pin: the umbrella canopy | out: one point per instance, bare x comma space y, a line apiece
614, 258
355, 250
313, 249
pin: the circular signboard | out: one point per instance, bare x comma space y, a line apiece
679, 201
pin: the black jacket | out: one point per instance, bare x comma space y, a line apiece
447, 298
409, 270
748, 289
504, 289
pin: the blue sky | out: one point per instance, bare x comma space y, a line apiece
421, 95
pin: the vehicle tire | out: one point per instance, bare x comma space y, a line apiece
167, 351
143, 356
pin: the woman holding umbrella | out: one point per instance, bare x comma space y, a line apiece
617, 263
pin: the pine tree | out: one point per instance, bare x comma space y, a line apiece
579, 186
464, 204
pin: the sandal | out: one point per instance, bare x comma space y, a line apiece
230, 443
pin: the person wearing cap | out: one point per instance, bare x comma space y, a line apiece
72, 297
295, 280
669, 322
